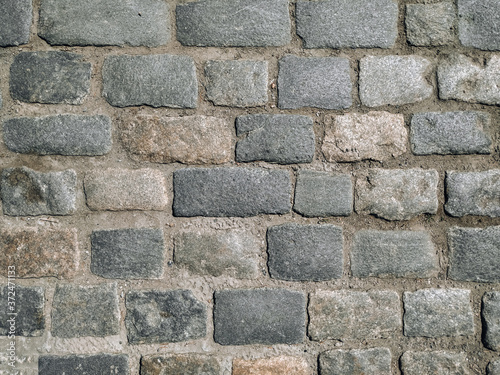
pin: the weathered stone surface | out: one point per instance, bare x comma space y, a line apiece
236, 83
126, 189
79, 311
376, 361
233, 23
28, 307
354, 137
460, 78
491, 320
450, 133
394, 80
397, 194
155, 80
83, 364
15, 22
28, 192
322, 82
104, 22
282, 365
191, 364
75, 135
38, 252
393, 254
283, 139
239, 192
493, 368
259, 316
430, 24
438, 363
305, 252
438, 312
128, 253
164, 316
347, 23
49, 77
355, 315
189, 139
479, 24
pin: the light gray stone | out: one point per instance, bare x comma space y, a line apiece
491, 320
430, 24
15, 22
175, 364
25, 317
494, 368
83, 364
479, 24
376, 361
436, 363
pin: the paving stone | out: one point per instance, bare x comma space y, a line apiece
353, 315
491, 321
233, 23
393, 254
430, 24
154, 80
238, 83
460, 78
74, 135
376, 361
29, 303
126, 189
283, 139
49, 77
321, 82
238, 192
164, 316
438, 312
259, 316
393, 80
83, 364
189, 139
347, 23
305, 252
190, 364
397, 194
15, 22
438, 363
479, 24
493, 368
104, 22
282, 365
79, 311
128, 253
454, 133
374, 136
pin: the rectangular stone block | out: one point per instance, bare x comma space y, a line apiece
376, 361
430, 24
83, 364
491, 320
22, 312
479, 24
15, 22
188, 364
438, 363
282, 365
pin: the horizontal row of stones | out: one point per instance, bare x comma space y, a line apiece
243, 23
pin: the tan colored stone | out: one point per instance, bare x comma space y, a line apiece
190, 139
179, 364
282, 365
375, 136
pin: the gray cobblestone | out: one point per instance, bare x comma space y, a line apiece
431, 24
479, 24
376, 361
28, 307
438, 363
83, 364
493, 368
191, 364
15, 22
491, 320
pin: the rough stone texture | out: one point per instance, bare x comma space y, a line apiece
321, 82
460, 78
104, 22
438, 312
259, 316
180, 364
374, 136
397, 194
494, 368
438, 363
447, 133
83, 364
347, 23
29, 303
236, 83
283, 139
15, 22
376, 361
430, 24
189, 139
74, 135
239, 192
394, 80
282, 365
393, 254
491, 320
126, 189
233, 23
164, 316
479, 24
305, 252
128, 253
28, 192
49, 77
154, 80
79, 311
219, 253
353, 315
39, 252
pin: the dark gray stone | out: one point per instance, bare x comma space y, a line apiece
83, 364
185, 364
347, 23
259, 316
15, 22
79, 311
59, 135
233, 23
155, 80
435, 363
49, 77
305, 252
479, 24
494, 368
128, 253
25, 317
239, 192
164, 316
321, 82
283, 139
491, 320
104, 22
430, 24
376, 361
